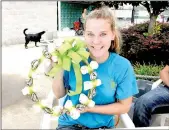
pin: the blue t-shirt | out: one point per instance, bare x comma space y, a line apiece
118, 82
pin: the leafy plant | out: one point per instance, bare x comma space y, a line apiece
146, 49
157, 28
143, 69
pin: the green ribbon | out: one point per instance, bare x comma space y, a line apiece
40, 105
66, 63
31, 89
65, 47
66, 55
94, 82
78, 80
87, 102
74, 56
90, 70
56, 114
30, 73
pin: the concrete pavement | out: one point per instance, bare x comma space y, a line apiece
17, 112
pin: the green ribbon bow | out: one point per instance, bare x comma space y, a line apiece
68, 54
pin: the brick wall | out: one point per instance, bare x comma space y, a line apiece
34, 15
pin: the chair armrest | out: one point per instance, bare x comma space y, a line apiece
156, 83
128, 123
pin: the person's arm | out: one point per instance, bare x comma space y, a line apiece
123, 106
58, 86
84, 16
164, 75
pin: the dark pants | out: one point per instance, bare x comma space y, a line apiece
79, 127
145, 105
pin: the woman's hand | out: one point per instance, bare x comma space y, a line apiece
84, 110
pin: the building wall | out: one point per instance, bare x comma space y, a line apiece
34, 15
70, 13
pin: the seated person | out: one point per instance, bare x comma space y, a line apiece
157, 97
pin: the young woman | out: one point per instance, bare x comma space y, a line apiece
114, 95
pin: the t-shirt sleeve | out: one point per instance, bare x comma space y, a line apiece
66, 79
127, 84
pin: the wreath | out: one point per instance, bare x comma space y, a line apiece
71, 51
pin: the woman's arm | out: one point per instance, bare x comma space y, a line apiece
164, 75
84, 16
123, 106
58, 86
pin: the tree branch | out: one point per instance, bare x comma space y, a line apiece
147, 6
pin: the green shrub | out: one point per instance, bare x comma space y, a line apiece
151, 70
146, 49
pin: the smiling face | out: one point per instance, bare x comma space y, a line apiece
98, 35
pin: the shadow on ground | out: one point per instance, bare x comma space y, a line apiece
11, 89
31, 45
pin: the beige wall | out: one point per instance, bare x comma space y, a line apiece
34, 15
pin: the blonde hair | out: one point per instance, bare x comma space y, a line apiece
108, 14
